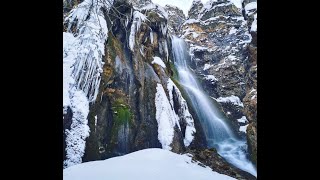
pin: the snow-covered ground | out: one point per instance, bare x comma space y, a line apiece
147, 164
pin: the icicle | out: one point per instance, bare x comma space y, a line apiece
84, 80
138, 18
151, 36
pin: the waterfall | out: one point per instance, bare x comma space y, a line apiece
218, 134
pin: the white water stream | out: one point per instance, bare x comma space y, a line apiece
217, 131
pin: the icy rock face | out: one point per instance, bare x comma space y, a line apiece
194, 11
137, 61
219, 39
83, 48
139, 3
175, 20
250, 100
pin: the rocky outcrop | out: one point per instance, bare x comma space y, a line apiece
218, 37
222, 38
122, 117
210, 157
195, 8
175, 19
139, 3
250, 100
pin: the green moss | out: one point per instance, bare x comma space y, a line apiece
121, 116
174, 70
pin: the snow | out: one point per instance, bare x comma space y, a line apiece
254, 96
132, 35
164, 28
249, 7
68, 60
237, 3
190, 21
157, 60
211, 78
92, 32
252, 90
239, 18
95, 123
232, 57
232, 99
243, 119
194, 48
243, 128
207, 66
138, 18
195, 35
82, 65
188, 31
160, 9
232, 30
147, 164
254, 24
166, 117
248, 40
215, 18
80, 12
151, 37
79, 130
190, 129
141, 49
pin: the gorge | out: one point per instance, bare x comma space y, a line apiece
141, 76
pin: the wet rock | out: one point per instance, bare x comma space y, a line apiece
122, 119
210, 157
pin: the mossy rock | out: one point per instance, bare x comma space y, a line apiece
122, 116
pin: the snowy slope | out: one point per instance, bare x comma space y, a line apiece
147, 164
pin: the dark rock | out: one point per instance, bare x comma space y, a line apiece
210, 157
125, 105
195, 9
175, 19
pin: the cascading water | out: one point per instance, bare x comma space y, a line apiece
217, 131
